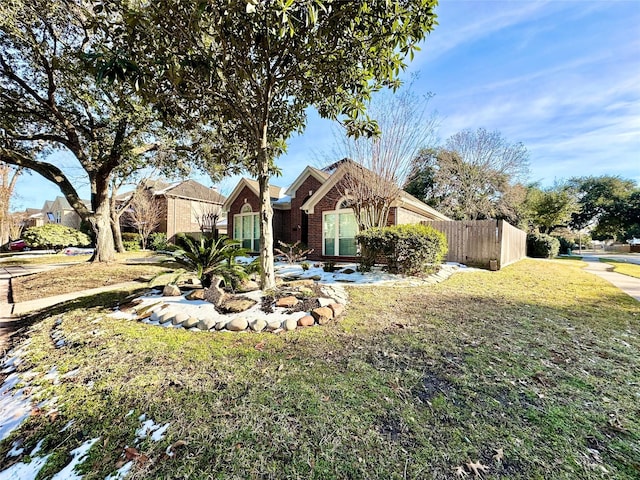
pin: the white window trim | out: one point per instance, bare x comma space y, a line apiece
238, 217
336, 238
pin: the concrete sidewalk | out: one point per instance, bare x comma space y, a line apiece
629, 285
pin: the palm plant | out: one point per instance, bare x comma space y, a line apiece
208, 256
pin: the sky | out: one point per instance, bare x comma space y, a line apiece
561, 77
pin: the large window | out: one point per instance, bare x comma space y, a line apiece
339, 230
246, 228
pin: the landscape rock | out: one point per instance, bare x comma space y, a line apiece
315, 278
171, 290
287, 302
197, 294
323, 315
179, 318
258, 325
207, 323
337, 309
248, 286
307, 282
214, 294
325, 302
237, 324
166, 317
220, 325
306, 321
190, 322
237, 304
290, 324
274, 325
348, 271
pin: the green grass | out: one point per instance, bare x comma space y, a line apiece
539, 359
631, 269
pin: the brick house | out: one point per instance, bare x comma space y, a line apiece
186, 206
314, 211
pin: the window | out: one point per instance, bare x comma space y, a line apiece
246, 228
339, 230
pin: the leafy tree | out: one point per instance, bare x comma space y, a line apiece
249, 70
51, 102
603, 202
472, 177
550, 208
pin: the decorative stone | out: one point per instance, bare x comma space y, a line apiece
287, 302
214, 294
171, 290
237, 304
220, 325
190, 322
197, 294
322, 315
290, 324
248, 286
306, 321
166, 317
207, 323
325, 302
145, 312
179, 318
258, 325
306, 282
237, 324
274, 325
316, 278
348, 271
155, 316
337, 309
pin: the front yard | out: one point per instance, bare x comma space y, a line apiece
530, 372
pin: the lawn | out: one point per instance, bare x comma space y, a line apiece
631, 269
81, 276
532, 371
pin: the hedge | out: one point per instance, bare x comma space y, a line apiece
540, 245
55, 236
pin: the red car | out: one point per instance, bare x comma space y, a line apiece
18, 246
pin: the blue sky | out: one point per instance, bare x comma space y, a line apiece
562, 77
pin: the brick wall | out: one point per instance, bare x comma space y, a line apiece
179, 218
236, 206
302, 195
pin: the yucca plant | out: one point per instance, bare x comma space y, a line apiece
208, 256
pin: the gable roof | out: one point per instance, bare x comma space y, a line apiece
319, 175
340, 168
275, 192
192, 190
61, 203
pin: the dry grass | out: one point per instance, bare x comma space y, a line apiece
540, 360
81, 276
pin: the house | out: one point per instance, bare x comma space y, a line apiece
188, 207
54, 211
315, 211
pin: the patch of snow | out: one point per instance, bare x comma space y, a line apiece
129, 413
150, 428
78, 456
26, 471
121, 472
66, 427
16, 449
15, 406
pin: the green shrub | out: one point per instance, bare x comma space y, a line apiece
408, 249
130, 237
55, 236
540, 245
565, 244
158, 241
131, 245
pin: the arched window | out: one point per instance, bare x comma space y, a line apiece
344, 202
246, 228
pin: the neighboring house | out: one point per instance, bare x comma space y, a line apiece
314, 211
187, 205
54, 211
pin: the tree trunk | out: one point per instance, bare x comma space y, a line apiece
117, 232
101, 222
267, 274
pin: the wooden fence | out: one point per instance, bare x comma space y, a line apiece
489, 244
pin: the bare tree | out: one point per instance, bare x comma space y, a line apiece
381, 164
472, 177
144, 213
16, 224
207, 215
